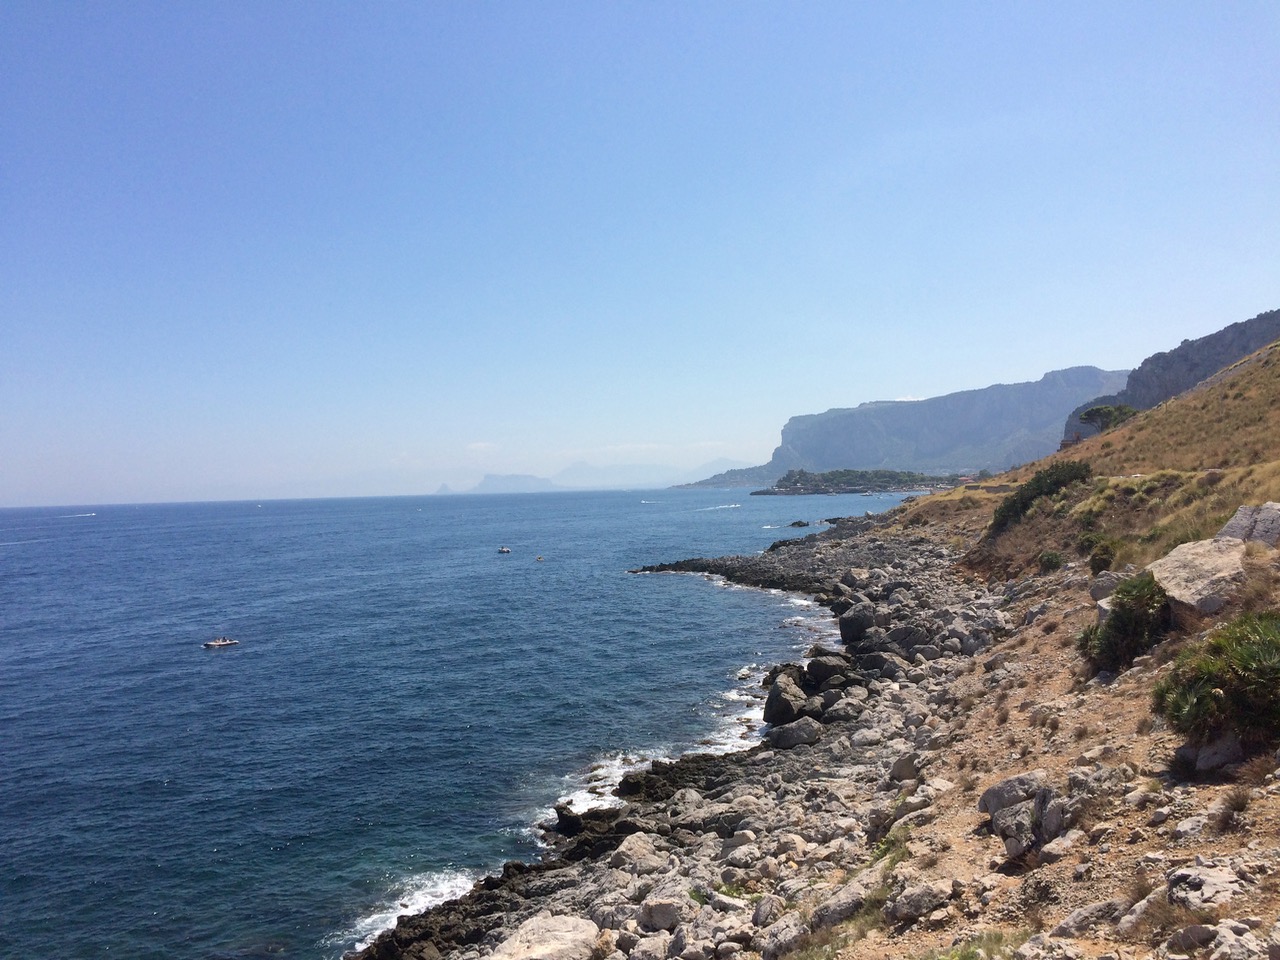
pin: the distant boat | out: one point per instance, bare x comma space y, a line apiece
219, 643
504, 549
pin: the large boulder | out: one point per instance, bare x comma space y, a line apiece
1012, 790
1254, 525
545, 937
806, 730
855, 622
785, 701
1204, 574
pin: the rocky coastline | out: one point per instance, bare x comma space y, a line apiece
878, 801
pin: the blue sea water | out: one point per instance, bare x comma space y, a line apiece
404, 704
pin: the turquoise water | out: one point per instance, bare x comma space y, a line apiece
405, 701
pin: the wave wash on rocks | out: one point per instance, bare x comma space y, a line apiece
799, 822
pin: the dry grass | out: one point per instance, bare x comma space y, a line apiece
1168, 476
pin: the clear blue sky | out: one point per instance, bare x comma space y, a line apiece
273, 249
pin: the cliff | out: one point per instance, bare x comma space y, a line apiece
987, 429
1165, 375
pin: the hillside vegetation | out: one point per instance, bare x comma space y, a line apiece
1169, 475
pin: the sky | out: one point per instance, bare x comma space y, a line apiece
297, 248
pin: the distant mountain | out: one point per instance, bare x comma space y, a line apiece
988, 429
1165, 375
638, 476
513, 483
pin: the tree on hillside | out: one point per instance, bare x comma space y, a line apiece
1107, 416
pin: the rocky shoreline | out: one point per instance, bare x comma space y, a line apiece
943, 775
654, 877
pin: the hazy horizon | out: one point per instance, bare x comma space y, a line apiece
276, 251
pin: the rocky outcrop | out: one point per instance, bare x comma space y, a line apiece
1254, 525
1165, 375
1203, 575
963, 432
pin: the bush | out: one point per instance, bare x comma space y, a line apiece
1101, 557
1051, 560
1230, 682
1043, 483
1140, 617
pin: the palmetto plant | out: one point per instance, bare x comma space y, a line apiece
1230, 682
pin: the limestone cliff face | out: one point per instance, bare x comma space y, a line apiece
1165, 375
992, 428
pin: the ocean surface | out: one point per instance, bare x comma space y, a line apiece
404, 705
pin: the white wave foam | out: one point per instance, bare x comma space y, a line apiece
412, 895
723, 506
72, 516
592, 788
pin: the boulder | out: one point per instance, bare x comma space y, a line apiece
1105, 583
1091, 915
661, 913
918, 901
1012, 790
855, 621
545, 937
1219, 752
769, 910
1204, 574
1254, 525
651, 948
821, 669
842, 905
1198, 886
785, 701
806, 730
780, 937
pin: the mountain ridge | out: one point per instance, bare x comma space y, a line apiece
988, 428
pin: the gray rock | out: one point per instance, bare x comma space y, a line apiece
918, 901
785, 701
1194, 937
1204, 574
839, 907
1012, 790
1191, 827
806, 730
906, 767
1089, 916
855, 622
1254, 524
781, 937
1235, 942
1218, 753
769, 909
637, 854
1015, 825
651, 948
661, 913
1208, 885
1105, 583
544, 937
1044, 947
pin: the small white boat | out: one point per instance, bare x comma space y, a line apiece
219, 643
504, 549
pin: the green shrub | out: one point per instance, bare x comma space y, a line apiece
1051, 560
1230, 682
1101, 557
1140, 617
1043, 483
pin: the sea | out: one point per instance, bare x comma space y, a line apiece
405, 705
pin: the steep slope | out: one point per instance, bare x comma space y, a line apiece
1165, 375
1171, 474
